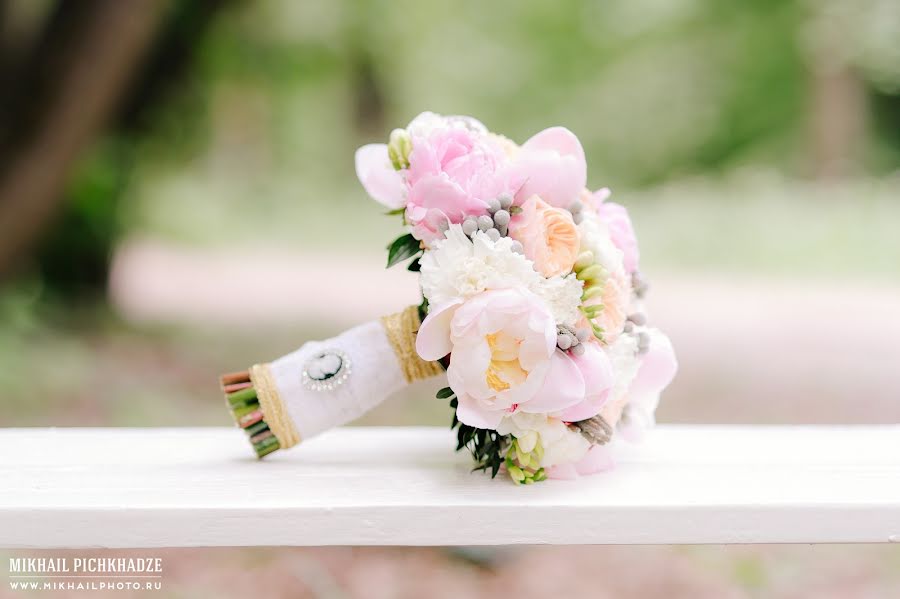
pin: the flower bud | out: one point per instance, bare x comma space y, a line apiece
591, 291
590, 273
592, 311
399, 148
524, 468
584, 260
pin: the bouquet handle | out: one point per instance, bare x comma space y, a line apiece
324, 384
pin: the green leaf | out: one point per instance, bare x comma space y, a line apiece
484, 445
461, 438
395, 211
405, 246
445, 393
414, 266
423, 309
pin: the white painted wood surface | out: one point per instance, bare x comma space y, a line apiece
405, 486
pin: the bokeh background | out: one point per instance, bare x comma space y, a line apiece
177, 199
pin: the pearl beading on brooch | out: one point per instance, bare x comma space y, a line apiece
326, 370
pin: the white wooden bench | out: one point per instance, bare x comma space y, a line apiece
405, 486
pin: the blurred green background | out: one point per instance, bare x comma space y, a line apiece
755, 141
177, 196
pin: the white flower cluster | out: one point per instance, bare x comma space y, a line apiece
561, 445
458, 267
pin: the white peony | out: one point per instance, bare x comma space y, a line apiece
623, 353
561, 444
563, 296
458, 268
427, 122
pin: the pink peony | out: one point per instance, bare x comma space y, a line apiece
503, 358
453, 173
456, 167
550, 165
598, 374
616, 219
378, 177
657, 369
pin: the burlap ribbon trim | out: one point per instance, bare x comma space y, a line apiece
273, 407
401, 329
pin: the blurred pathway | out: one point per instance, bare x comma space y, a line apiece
751, 349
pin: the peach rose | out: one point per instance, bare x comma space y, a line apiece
548, 235
615, 298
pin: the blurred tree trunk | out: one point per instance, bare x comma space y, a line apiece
838, 108
369, 99
839, 121
56, 101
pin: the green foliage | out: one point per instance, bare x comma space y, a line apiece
423, 309
73, 258
284, 92
486, 446
274, 105
405, 246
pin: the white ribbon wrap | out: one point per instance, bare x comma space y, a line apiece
375, 374
327, 383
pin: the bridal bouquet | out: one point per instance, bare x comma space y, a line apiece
532, 308
532, 297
